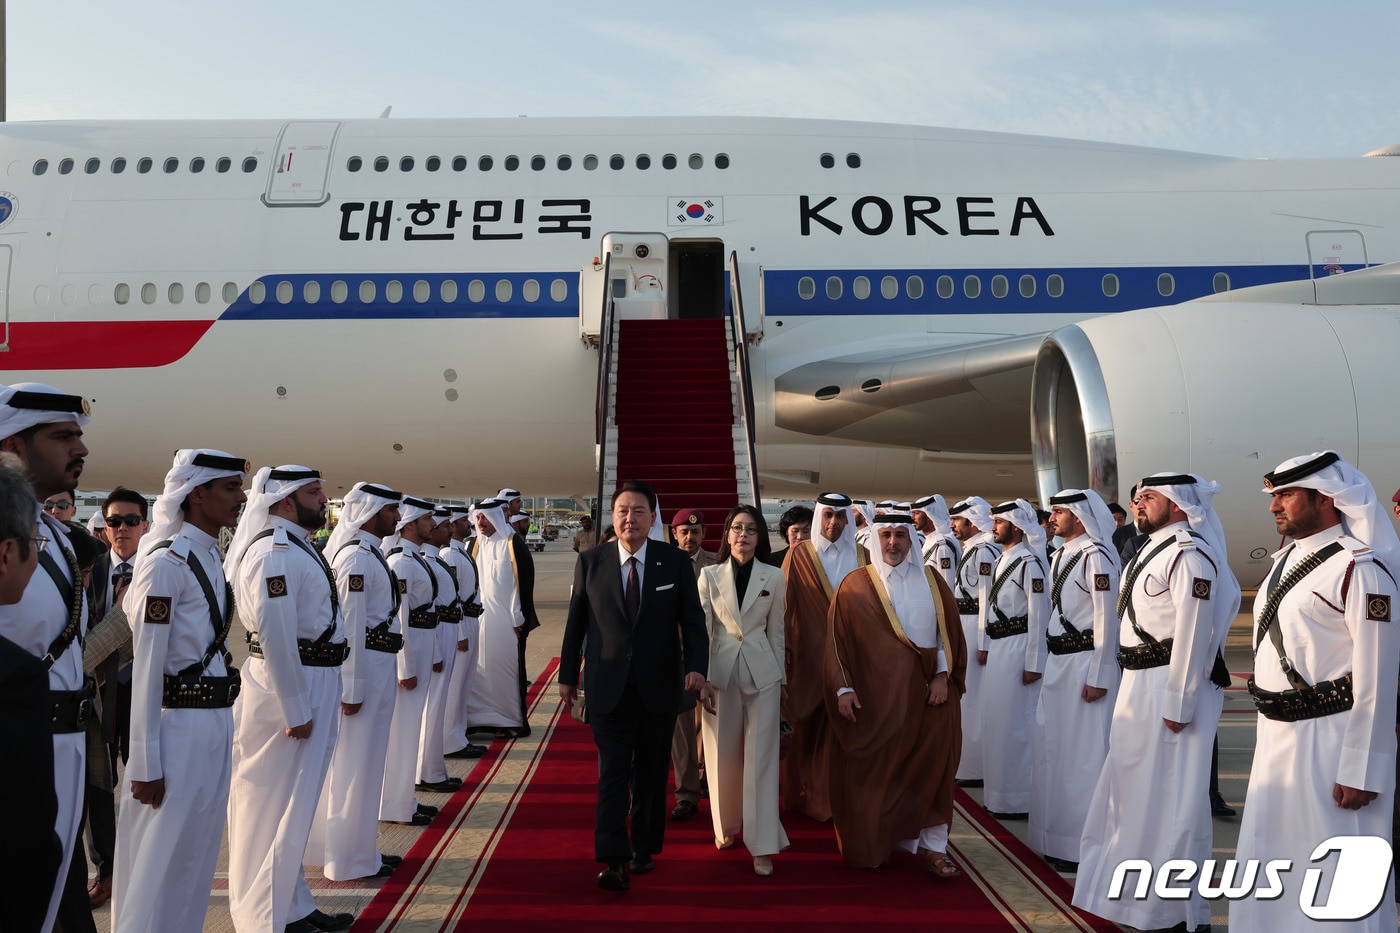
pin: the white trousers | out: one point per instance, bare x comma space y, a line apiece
431, 766
1008, 717
454, 724
70, 784
396, 801
741, 762
970, 764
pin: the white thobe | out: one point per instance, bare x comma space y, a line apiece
495, 698
454, 724
1071, 736
942, 553
415, 662
1008, 705
1333, 622
972, 577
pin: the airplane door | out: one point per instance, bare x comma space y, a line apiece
1332, 252
302, 166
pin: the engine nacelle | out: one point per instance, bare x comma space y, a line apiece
1226, 387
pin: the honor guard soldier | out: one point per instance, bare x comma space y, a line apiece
432, 768
454, 725
1014, 616
1326, 656
418, 621
348, 820
1081, 675
288, 712
971, 522
941, 550
1176, 601
43, 427
183, 688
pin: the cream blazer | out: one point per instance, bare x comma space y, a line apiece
753, 631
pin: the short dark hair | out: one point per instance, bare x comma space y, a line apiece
1117, 509
639, 486
129, 496
764, 551
794, 516
17, 503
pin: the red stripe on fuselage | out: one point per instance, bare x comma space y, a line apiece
100, 344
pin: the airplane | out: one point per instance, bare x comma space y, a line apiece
420, 301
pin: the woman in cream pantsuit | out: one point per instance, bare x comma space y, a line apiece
743, 600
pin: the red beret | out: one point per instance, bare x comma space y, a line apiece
1396, 497
687, 517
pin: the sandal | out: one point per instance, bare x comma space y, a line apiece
941, 866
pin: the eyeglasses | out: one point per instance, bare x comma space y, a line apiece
745, 530
41, 542
58, 506
116, 521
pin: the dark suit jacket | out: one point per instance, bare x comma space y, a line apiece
668, 641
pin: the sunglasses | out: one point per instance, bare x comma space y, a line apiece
116, 521
58, 506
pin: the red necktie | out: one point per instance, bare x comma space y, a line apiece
633, 596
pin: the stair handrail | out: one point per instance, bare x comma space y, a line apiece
739, 330
602, 410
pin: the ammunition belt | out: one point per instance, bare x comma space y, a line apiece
1325, 699
1142, 657
450, 614
381, 639
968, 607
72, 710
312, 653
1070, 642
200, 692
1005, 628
473, 609
423, 617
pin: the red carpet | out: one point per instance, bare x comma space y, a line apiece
528, 864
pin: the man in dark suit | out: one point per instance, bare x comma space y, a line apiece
637, 603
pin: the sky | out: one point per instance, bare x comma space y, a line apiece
1252, 78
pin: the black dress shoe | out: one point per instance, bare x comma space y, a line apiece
471, 751
614, 877
393, 861
1218, 806
1008, 816
968, 782
685, 809
427, 810
326, 922
1062, 864
438, 787
418, 819
641, 864
299, 926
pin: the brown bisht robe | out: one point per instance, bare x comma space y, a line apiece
891, 770
804, 767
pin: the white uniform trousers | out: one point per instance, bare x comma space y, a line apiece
345, 836
1070, 745
970, 764
1008, 715
70, 783
431, 766
273, 796
165, 859
741, 761
396, 801
454, 724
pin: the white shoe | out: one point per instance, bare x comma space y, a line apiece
762, 866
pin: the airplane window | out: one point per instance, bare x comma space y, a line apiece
833, 287
92, 166
914, 287
196, 165
1027, 286
311, 292
250, 165
122, 293
503, 290
853, 160
201, 293
512, 163
223, 165
367, 292
565, 163
284, 292
177, 293
41, 166
722, 161
459, 164
1165, 284
644, 162
972, 286
806, 288
65, 166
354, 164
118, 165
393, 292
257, 293
944, 286
1222, 282
230, 293
95, 294
861, 287
484, 163
1110, 285
171, 166
616, 162
999, 286
1055, 286
406, 164
381, 164
828, 160
590, 162
476, 290
889, 287
697, 160
559, 290
340, 292
432, 163
537, 163
530, 291
144, 165
449, 290
422, 291
148, 293
668, 161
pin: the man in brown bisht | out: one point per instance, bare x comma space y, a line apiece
894, 679
813, 568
